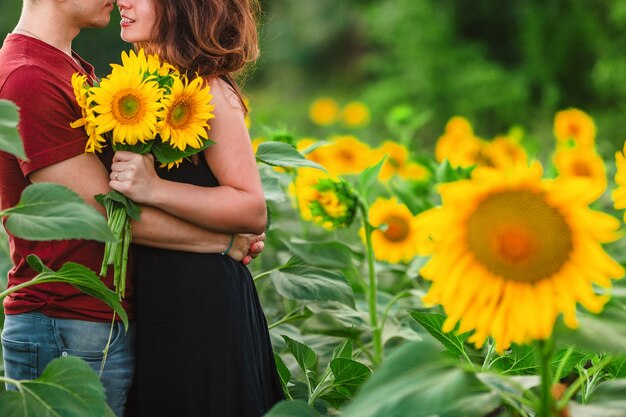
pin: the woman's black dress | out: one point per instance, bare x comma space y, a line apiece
203, 347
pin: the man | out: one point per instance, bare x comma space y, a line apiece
50, 320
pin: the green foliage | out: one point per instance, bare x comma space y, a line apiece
283, 155
68, 387
9, 138
412, 381
79, 276
49, 211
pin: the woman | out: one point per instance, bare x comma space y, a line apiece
203, 347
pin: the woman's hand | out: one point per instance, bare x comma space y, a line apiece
246, 247
134, 176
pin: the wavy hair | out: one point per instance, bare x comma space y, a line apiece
213, 38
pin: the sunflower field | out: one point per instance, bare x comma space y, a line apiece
446, 189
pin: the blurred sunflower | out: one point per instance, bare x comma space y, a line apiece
323, 200
397, 237
619, 193
346, 155
187, 111
501, 153
355, 114
458, 144
512, 251
576, 125
398, 163
324, 111
582, 163
128, 105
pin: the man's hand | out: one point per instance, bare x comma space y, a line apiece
246, 247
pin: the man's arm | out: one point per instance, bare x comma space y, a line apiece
85, 175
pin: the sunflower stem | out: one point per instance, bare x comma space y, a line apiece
545, 350
373, 287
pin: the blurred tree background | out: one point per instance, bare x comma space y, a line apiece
498, 63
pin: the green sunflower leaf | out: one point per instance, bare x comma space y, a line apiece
283, 155
80, 277
305, 357
296, 408
49, 211
308, 283
433, 323
10, 140
68, 387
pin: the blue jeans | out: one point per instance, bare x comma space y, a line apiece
31, 340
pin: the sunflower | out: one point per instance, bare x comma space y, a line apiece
619, 193
346, 154
147, 64
512, 251
582, 163
324, 111
458, 144
323, 200
398, 163
187, 111
355, 114
128, 105
397, 237
576, 125
502, 152
95, 141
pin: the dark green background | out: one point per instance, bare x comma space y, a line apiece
499, 63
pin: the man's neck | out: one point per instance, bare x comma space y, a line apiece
47, 26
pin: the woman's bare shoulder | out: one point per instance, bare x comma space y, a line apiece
224, 94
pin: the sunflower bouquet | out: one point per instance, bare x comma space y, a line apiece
145, 106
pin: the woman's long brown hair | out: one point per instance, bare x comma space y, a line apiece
211, 38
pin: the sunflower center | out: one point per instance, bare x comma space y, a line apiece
129, 108
573, 129
331, 204
581, 169
346, 156
180, 114
397, 229
517, 235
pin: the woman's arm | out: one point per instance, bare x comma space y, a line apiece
236, 205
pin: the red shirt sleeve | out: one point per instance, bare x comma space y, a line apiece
45, 127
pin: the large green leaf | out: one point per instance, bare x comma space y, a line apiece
433, 322
321, 254
283, 155
68, 387
308, 283
10, 140
49, 211
598, 333
349, 375
296, 408
416, 381
518, 360
338, 321
305, 357
80, 277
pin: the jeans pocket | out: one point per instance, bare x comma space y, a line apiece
20, 360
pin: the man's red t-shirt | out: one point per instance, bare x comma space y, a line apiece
37, 77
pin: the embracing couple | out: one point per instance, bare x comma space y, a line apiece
198, 344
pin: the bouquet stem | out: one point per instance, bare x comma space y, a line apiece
120, 210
